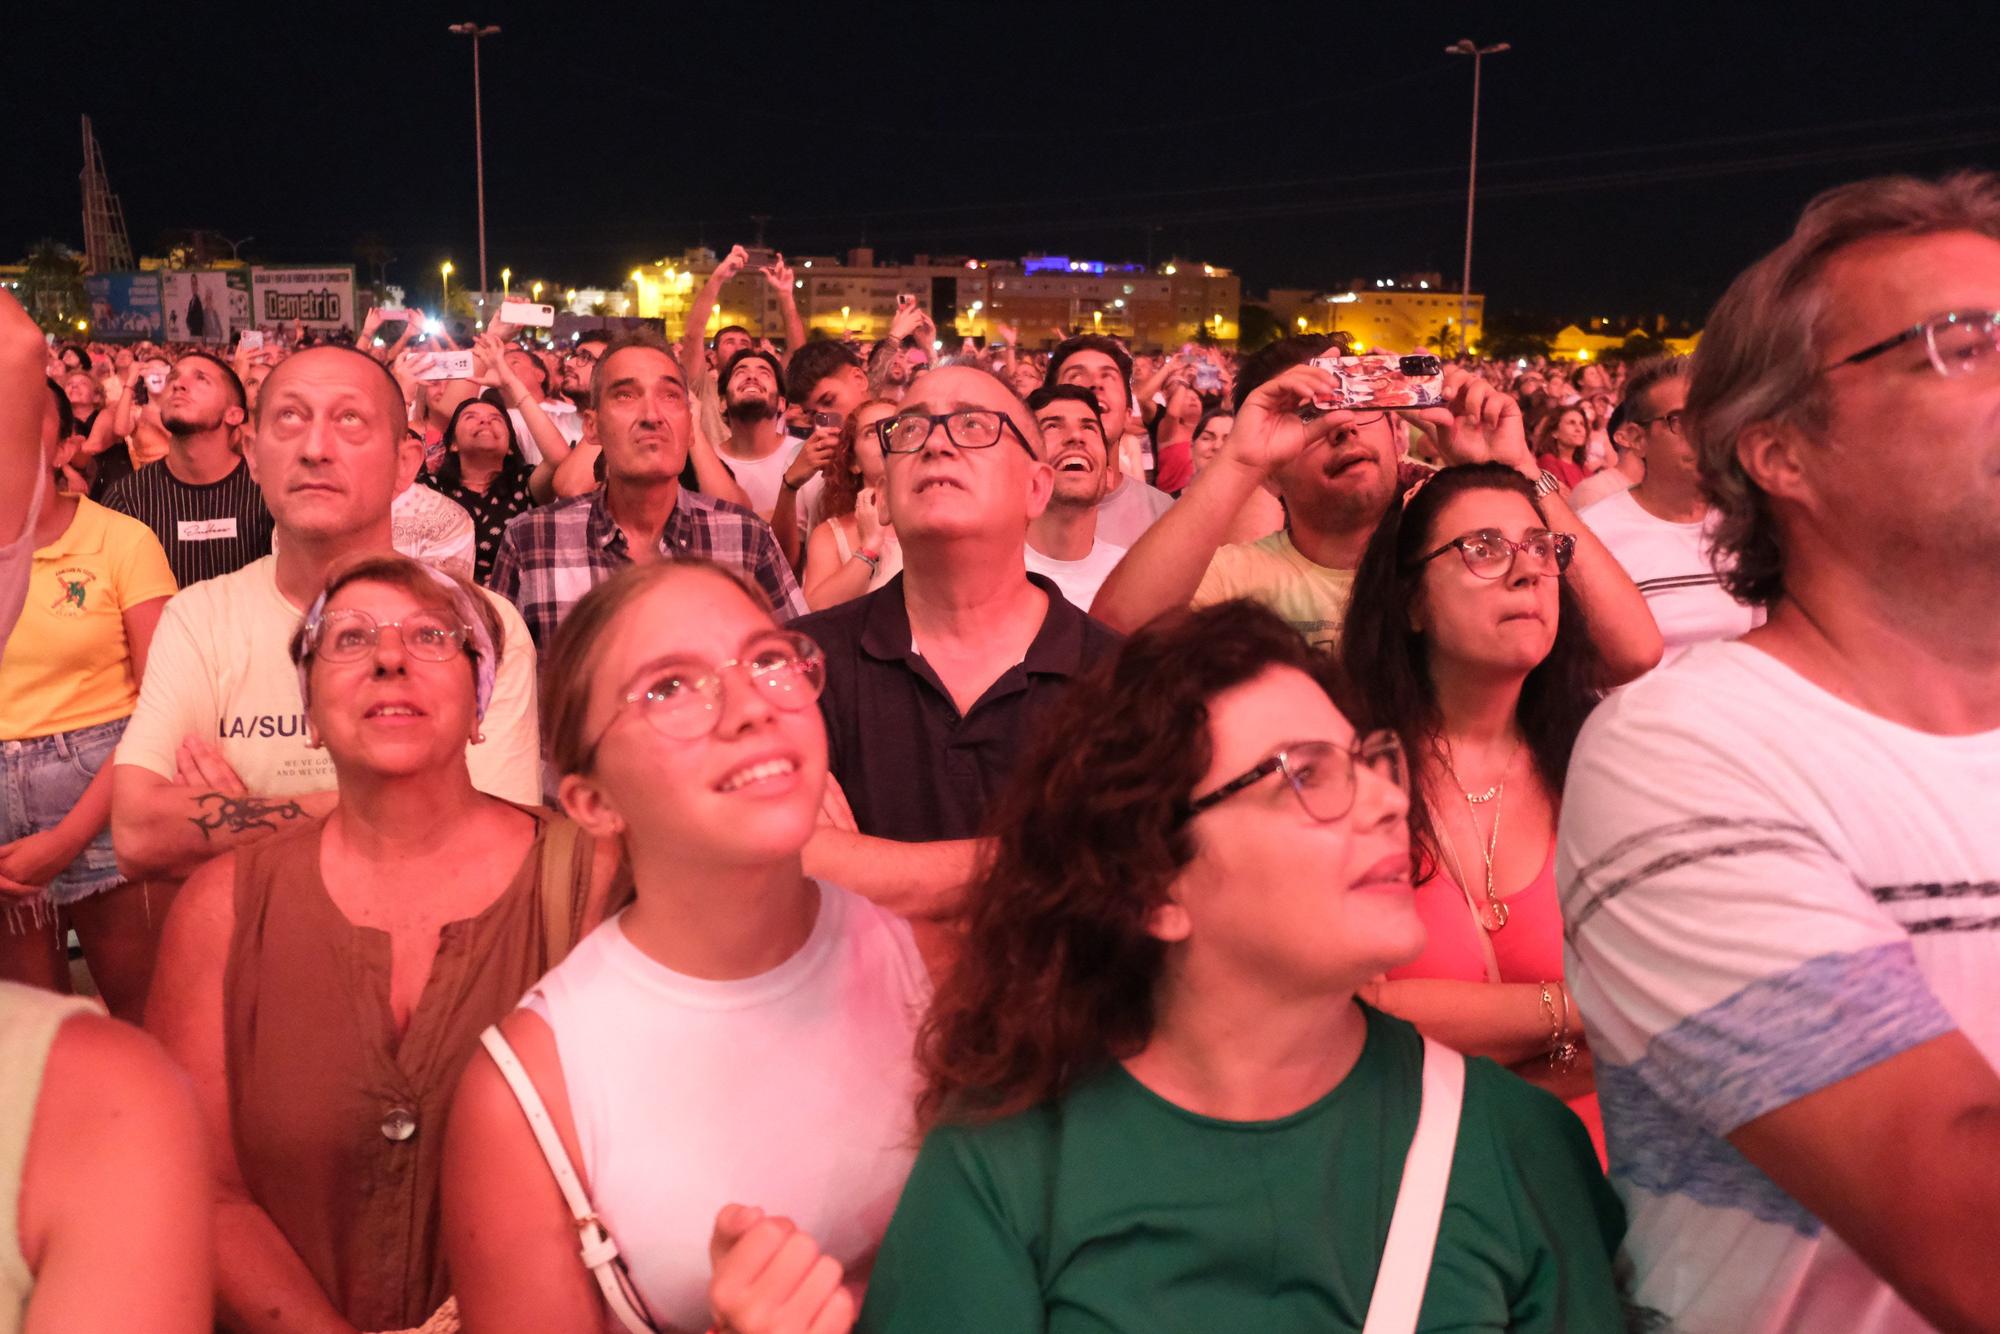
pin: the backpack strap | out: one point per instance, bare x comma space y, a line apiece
598, 1250
1413, 1228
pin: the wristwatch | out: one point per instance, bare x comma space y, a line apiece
1549, 484
874, 562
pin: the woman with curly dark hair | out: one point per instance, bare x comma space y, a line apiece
1152, 1100
1465, 639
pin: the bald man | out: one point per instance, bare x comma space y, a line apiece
935, 679
216, 755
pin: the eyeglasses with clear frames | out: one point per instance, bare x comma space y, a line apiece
1490, 554
1322, 775
684, 700
350, 634
1674, 420
1957, 343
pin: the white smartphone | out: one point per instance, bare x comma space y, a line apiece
156, 381
527, 314
250, 340
448, 366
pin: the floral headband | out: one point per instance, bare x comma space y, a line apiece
477, 638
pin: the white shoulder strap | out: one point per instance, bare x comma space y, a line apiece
598, 1249
1413, 1228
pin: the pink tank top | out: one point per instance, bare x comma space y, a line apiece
1528, 949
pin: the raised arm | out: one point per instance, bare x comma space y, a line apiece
779, 275
814, 455
261, 1283
1164, 567
1485, 425
694, 338
493, 372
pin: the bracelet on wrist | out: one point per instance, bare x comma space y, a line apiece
874, 561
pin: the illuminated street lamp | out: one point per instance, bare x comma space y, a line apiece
1302, 324
535, 292
444, 272
506, 278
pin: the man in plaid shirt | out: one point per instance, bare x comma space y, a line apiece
550, 557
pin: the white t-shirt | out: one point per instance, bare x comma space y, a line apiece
1766, 890
1597, 486
1125, 514
792, 1091
761, 478
562, 414
1079, 580
219, 668
1670, 562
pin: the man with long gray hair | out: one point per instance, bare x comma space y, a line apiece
1779, 857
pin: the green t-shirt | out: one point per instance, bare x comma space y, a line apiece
1114, 1210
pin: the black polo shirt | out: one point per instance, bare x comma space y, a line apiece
913, 768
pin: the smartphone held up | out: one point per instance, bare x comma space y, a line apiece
1380, 380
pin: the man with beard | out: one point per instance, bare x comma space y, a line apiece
1063, 540
200, 501
1336, 473
756, 448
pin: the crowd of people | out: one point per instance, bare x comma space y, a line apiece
775, 835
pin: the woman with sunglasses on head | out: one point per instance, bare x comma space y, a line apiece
326, 987
1152, 1101
1465, 639
727, 1063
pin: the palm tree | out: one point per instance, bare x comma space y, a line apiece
52, 287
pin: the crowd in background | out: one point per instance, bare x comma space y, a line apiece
759, 833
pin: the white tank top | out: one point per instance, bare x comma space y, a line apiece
791, 1091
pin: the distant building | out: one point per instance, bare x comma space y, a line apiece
1398, 314
966, 297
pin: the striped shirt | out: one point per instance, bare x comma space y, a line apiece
1673, 565
1765, 891
551, 556
211, 529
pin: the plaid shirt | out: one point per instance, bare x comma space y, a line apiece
551, 556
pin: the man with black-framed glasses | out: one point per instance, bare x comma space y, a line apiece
1779, 857
935, 680
1660, 528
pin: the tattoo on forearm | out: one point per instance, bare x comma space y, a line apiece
239, 815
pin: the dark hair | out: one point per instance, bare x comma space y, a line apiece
1759, 357
451, 472
843, 480
813, 363
82, 356
1090, 342
645, 338
1389, 662
729, 329
1210, 415
1059, 967
1274, 359
229, 375
1641, 380
541, 371
65, 414
1071, 393
751, 354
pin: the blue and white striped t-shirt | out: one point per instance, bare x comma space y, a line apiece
1765, 891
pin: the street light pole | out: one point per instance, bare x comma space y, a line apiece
476, 31
1465, 46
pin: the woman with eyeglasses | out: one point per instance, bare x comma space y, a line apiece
726, 1064
326, 986
1152, 1100
1466, 640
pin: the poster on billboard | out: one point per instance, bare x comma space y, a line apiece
124, 307
318, 298
201, 305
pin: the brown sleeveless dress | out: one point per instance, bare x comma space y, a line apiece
339, 1125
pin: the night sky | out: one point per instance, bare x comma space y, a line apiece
1633, 156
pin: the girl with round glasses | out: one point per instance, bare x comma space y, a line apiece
726, 1064
1152, 1100
1465, 639
326, 987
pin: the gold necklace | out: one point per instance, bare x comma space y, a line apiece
1495, 914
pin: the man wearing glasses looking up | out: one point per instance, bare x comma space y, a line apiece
935, 680
1659, 529
1336, 473
1779, 860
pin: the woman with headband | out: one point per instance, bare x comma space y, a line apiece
325, 987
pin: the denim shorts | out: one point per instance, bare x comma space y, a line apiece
42, 779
